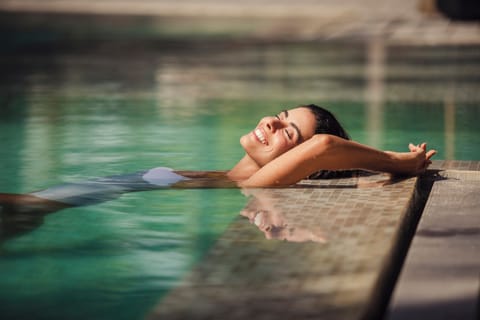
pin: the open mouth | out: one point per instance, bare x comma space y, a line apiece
258, 219
260, 136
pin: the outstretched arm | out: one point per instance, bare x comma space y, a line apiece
327, 152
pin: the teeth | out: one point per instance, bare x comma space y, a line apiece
260, 136
258, 219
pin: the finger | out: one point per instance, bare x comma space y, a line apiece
430, 154
417, 148
411, 147
423, 146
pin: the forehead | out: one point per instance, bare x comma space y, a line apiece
304, 119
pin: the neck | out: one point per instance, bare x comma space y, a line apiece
244, 169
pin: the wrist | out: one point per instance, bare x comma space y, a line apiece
393, 162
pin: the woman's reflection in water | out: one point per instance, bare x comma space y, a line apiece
269, 209
264, 212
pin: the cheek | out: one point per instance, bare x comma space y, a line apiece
283, 146
264, 154
277, 220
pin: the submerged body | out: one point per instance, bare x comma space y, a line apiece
108, 188
21, 213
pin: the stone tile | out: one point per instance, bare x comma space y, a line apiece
440, 277
455, 165
340, 233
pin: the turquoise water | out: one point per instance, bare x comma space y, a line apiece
70, 113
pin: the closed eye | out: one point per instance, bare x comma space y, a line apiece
288, 134
299, 137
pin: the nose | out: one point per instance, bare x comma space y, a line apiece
272, 124
265, 228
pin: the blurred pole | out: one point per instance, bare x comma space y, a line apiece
375, 70
449, 111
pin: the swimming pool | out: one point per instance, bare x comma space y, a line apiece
95, 109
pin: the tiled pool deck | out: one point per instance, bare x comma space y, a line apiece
440, 278
361, 228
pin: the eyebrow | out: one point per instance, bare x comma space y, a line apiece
300, 137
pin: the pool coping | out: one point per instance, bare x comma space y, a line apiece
349, 275
439, 279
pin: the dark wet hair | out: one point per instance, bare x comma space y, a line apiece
326, 123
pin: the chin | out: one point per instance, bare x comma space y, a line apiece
258, 160
252, 150
244, 143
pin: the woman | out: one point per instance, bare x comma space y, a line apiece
298, 143
306, 141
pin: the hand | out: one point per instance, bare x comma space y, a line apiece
412, 163
422, 157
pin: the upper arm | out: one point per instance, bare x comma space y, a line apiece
327, 152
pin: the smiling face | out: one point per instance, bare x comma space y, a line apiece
276, 135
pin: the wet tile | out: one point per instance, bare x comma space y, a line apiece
328, 269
